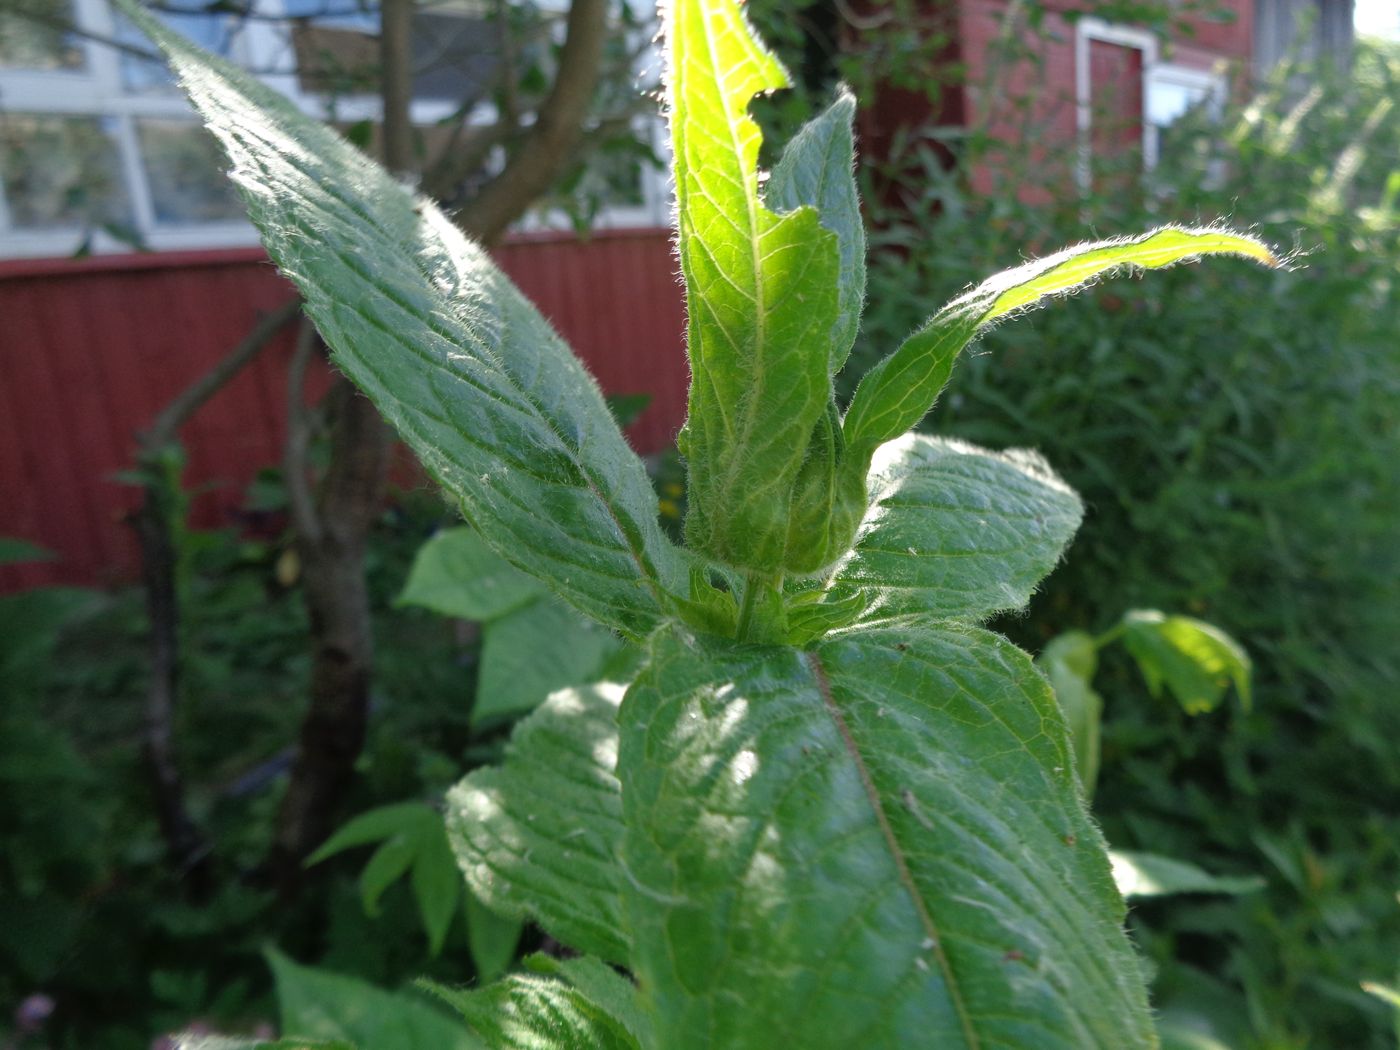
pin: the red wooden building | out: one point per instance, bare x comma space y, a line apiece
91, 349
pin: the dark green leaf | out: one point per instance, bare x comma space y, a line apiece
491, 938
538, 836
13, 551
437, 885
471, 375
382, 822
879, 843
318, 1004
394, 857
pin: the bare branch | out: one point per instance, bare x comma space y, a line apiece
548, 147
295, 467
174, 415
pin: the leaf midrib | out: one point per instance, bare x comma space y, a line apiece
648, 572
906, 877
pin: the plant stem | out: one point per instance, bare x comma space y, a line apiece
751, 584
1111, 635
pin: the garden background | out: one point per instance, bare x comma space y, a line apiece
1234, 434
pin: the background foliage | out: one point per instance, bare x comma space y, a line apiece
1238, 467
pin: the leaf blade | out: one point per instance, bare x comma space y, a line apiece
817, 169
760, 292
456, 573
775, 850
538, 836
956, 531
895, 394
451, 353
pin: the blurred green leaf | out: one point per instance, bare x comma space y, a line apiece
1150, 875
529, 653
456, 573
1196, 661
318, 1004
491, 938
1070, 661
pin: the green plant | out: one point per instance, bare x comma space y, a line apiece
828, 809
1196, 661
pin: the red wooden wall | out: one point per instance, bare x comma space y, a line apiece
91, 350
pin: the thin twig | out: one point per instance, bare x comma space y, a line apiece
167, 425
300, 499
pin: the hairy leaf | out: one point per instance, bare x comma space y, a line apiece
456, 573
761, 294
602, 985
878, 843
817, 168
897, 392
473, 378
532, 1012
956, 531
538, 836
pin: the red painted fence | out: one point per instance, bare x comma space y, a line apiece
91, 350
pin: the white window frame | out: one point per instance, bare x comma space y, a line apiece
97, 90
1087, 30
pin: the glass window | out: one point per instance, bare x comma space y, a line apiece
211, 32
40, 45
61, 172
185, 172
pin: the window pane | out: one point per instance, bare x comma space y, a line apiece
26, 44
184, 170
61, 172
1168, 101
211, 32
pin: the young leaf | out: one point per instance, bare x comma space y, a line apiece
318, 1004
455, 573
878, 843
471, 375
761, 294
897, 392
1150, 875
956, 531
538, 836
817, 168
1196, 661
529, 1012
